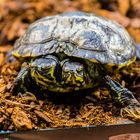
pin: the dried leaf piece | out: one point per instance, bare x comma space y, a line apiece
9, 110
4, 49
20, 119
2, 58
2, 119
88, 113
43, 116
17, 27
123, 6
2, 88
73, 123
14, 6
2, 1
134, 10
135, 32
135, 23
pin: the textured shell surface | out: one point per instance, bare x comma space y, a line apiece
77, 34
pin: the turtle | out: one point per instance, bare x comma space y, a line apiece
75, 51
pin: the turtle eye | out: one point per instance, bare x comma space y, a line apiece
66, 69
46, 66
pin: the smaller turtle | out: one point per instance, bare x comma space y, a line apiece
75, 51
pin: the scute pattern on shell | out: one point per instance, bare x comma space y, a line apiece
77, 34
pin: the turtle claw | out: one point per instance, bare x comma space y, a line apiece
132, 111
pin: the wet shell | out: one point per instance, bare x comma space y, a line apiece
77, 34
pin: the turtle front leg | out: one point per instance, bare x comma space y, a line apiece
121, 95
22, 81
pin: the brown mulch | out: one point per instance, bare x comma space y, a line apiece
26, 111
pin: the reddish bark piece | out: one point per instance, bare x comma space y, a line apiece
21, 119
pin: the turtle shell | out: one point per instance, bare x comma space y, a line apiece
77, 34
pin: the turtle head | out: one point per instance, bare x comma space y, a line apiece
73, 73
43, 70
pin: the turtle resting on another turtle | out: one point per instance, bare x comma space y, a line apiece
74, 51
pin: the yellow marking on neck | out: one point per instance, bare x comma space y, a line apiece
109, 66
51, 72
37, 78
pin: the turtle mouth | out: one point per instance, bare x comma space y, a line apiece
73, 80
73, 73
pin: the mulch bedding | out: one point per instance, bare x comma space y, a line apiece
27, 111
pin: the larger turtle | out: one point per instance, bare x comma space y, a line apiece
74, 51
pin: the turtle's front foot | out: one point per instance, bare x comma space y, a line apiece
22, 81
132, 111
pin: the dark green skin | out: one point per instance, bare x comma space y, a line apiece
89, 75
58, 74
